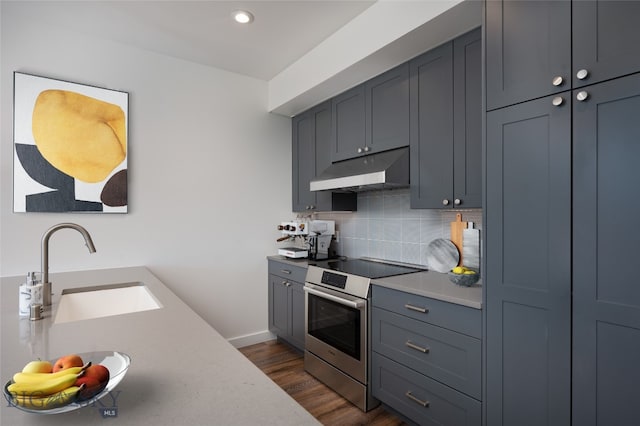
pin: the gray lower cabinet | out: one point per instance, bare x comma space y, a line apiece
528, 264
606, 301
446, 125
311, 146
286, 302
426, 358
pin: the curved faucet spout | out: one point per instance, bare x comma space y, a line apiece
46, 290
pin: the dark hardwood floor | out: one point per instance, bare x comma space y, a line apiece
284, 365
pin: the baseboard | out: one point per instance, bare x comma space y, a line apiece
251, 339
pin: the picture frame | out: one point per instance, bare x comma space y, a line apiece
70, 147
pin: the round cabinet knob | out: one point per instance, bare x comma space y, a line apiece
366, 149
280, 227
582, 95
312, 206
457, 201
557, 81
445, 202
557, 101
582, 74
359, 150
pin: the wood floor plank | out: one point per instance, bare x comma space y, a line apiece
285, 366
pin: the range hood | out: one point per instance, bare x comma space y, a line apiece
389, 169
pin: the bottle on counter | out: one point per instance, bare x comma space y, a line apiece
30, 293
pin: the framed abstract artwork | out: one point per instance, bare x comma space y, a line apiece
70, 146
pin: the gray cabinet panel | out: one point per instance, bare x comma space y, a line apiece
432, 128
387, 110
606, 299
311, 155
528, 266
449, 315
606, 37
421, 399
286, 302
449, 357
348, 123
467, 119
528, 45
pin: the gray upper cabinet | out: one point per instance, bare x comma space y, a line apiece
530, 45
528, 50
528, 264
373, 116
606, 305
446, 125
606, 37
311, 152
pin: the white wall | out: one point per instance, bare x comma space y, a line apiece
209, 173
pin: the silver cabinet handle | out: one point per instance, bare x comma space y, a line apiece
409, 395
285, 271
412, 345
286, 283
557, 81
366, 149
416, 308
557, 101
350, 303
457, 201
445, 202
359, 150
582, 95
582, 74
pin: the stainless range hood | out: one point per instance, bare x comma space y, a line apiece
389, 169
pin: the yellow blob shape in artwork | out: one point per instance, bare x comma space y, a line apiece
81, 136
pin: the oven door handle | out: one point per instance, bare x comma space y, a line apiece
358, 304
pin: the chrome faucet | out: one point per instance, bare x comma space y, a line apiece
46, 285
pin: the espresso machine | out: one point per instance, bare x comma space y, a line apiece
313, 238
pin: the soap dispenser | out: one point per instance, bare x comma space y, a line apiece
30, 294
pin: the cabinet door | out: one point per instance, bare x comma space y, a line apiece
431, 80
467, 120
387, 110
528, 264
278, 306
348, 123
296, 293
606, 305
606, 36
304, 160
528, 45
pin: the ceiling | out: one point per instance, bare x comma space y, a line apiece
204, 32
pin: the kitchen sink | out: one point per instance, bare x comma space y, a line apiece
103, 301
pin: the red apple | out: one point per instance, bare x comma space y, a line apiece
67, 361
97, 371
92, 387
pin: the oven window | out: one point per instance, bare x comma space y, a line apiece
335, 324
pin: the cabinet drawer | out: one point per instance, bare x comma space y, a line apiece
423, 400
287, 271
449, 357
444, 314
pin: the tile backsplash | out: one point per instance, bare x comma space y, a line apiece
385, 227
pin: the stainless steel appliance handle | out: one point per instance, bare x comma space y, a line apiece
350, 303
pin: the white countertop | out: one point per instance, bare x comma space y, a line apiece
183, 372
435, 285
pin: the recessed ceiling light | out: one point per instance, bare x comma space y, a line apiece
242, 16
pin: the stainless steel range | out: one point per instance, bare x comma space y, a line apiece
337, 324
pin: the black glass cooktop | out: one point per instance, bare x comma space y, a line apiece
366, 268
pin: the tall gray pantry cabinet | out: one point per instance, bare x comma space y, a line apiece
562, 145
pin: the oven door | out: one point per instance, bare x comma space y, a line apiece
336, 329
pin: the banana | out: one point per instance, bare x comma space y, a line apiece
39, 377
43, 388
56, 400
